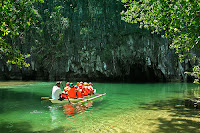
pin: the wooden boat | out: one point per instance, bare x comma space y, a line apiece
51, 97
78, 100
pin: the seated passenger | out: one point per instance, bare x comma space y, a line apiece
81, 83
80, 92
67, 86
71, 92
86, 92
91, 88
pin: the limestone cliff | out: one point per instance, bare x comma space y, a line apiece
87, 40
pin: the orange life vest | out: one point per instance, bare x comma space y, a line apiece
72, 92
85, 90
64, 95
79, 93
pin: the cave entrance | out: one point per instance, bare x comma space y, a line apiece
144, 74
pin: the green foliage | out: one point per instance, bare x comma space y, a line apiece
51, 30
15, 17
177, 20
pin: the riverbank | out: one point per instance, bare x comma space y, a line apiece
12, 83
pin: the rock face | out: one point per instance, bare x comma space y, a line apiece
86, 40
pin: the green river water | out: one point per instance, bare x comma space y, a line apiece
126, 108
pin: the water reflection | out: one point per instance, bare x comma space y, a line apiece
69, 110
79, 108
194, 92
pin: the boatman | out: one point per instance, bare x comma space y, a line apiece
56, 91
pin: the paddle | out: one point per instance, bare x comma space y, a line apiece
46, 97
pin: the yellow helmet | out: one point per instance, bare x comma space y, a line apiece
86, 84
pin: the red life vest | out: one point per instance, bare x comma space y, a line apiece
91, 89
88, 90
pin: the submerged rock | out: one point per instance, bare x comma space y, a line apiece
193, 102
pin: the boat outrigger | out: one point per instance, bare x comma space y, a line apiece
78, 100
75, 100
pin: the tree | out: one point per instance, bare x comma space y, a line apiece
177, 20
15, 17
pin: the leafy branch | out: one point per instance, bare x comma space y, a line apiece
177, 20
15, 16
